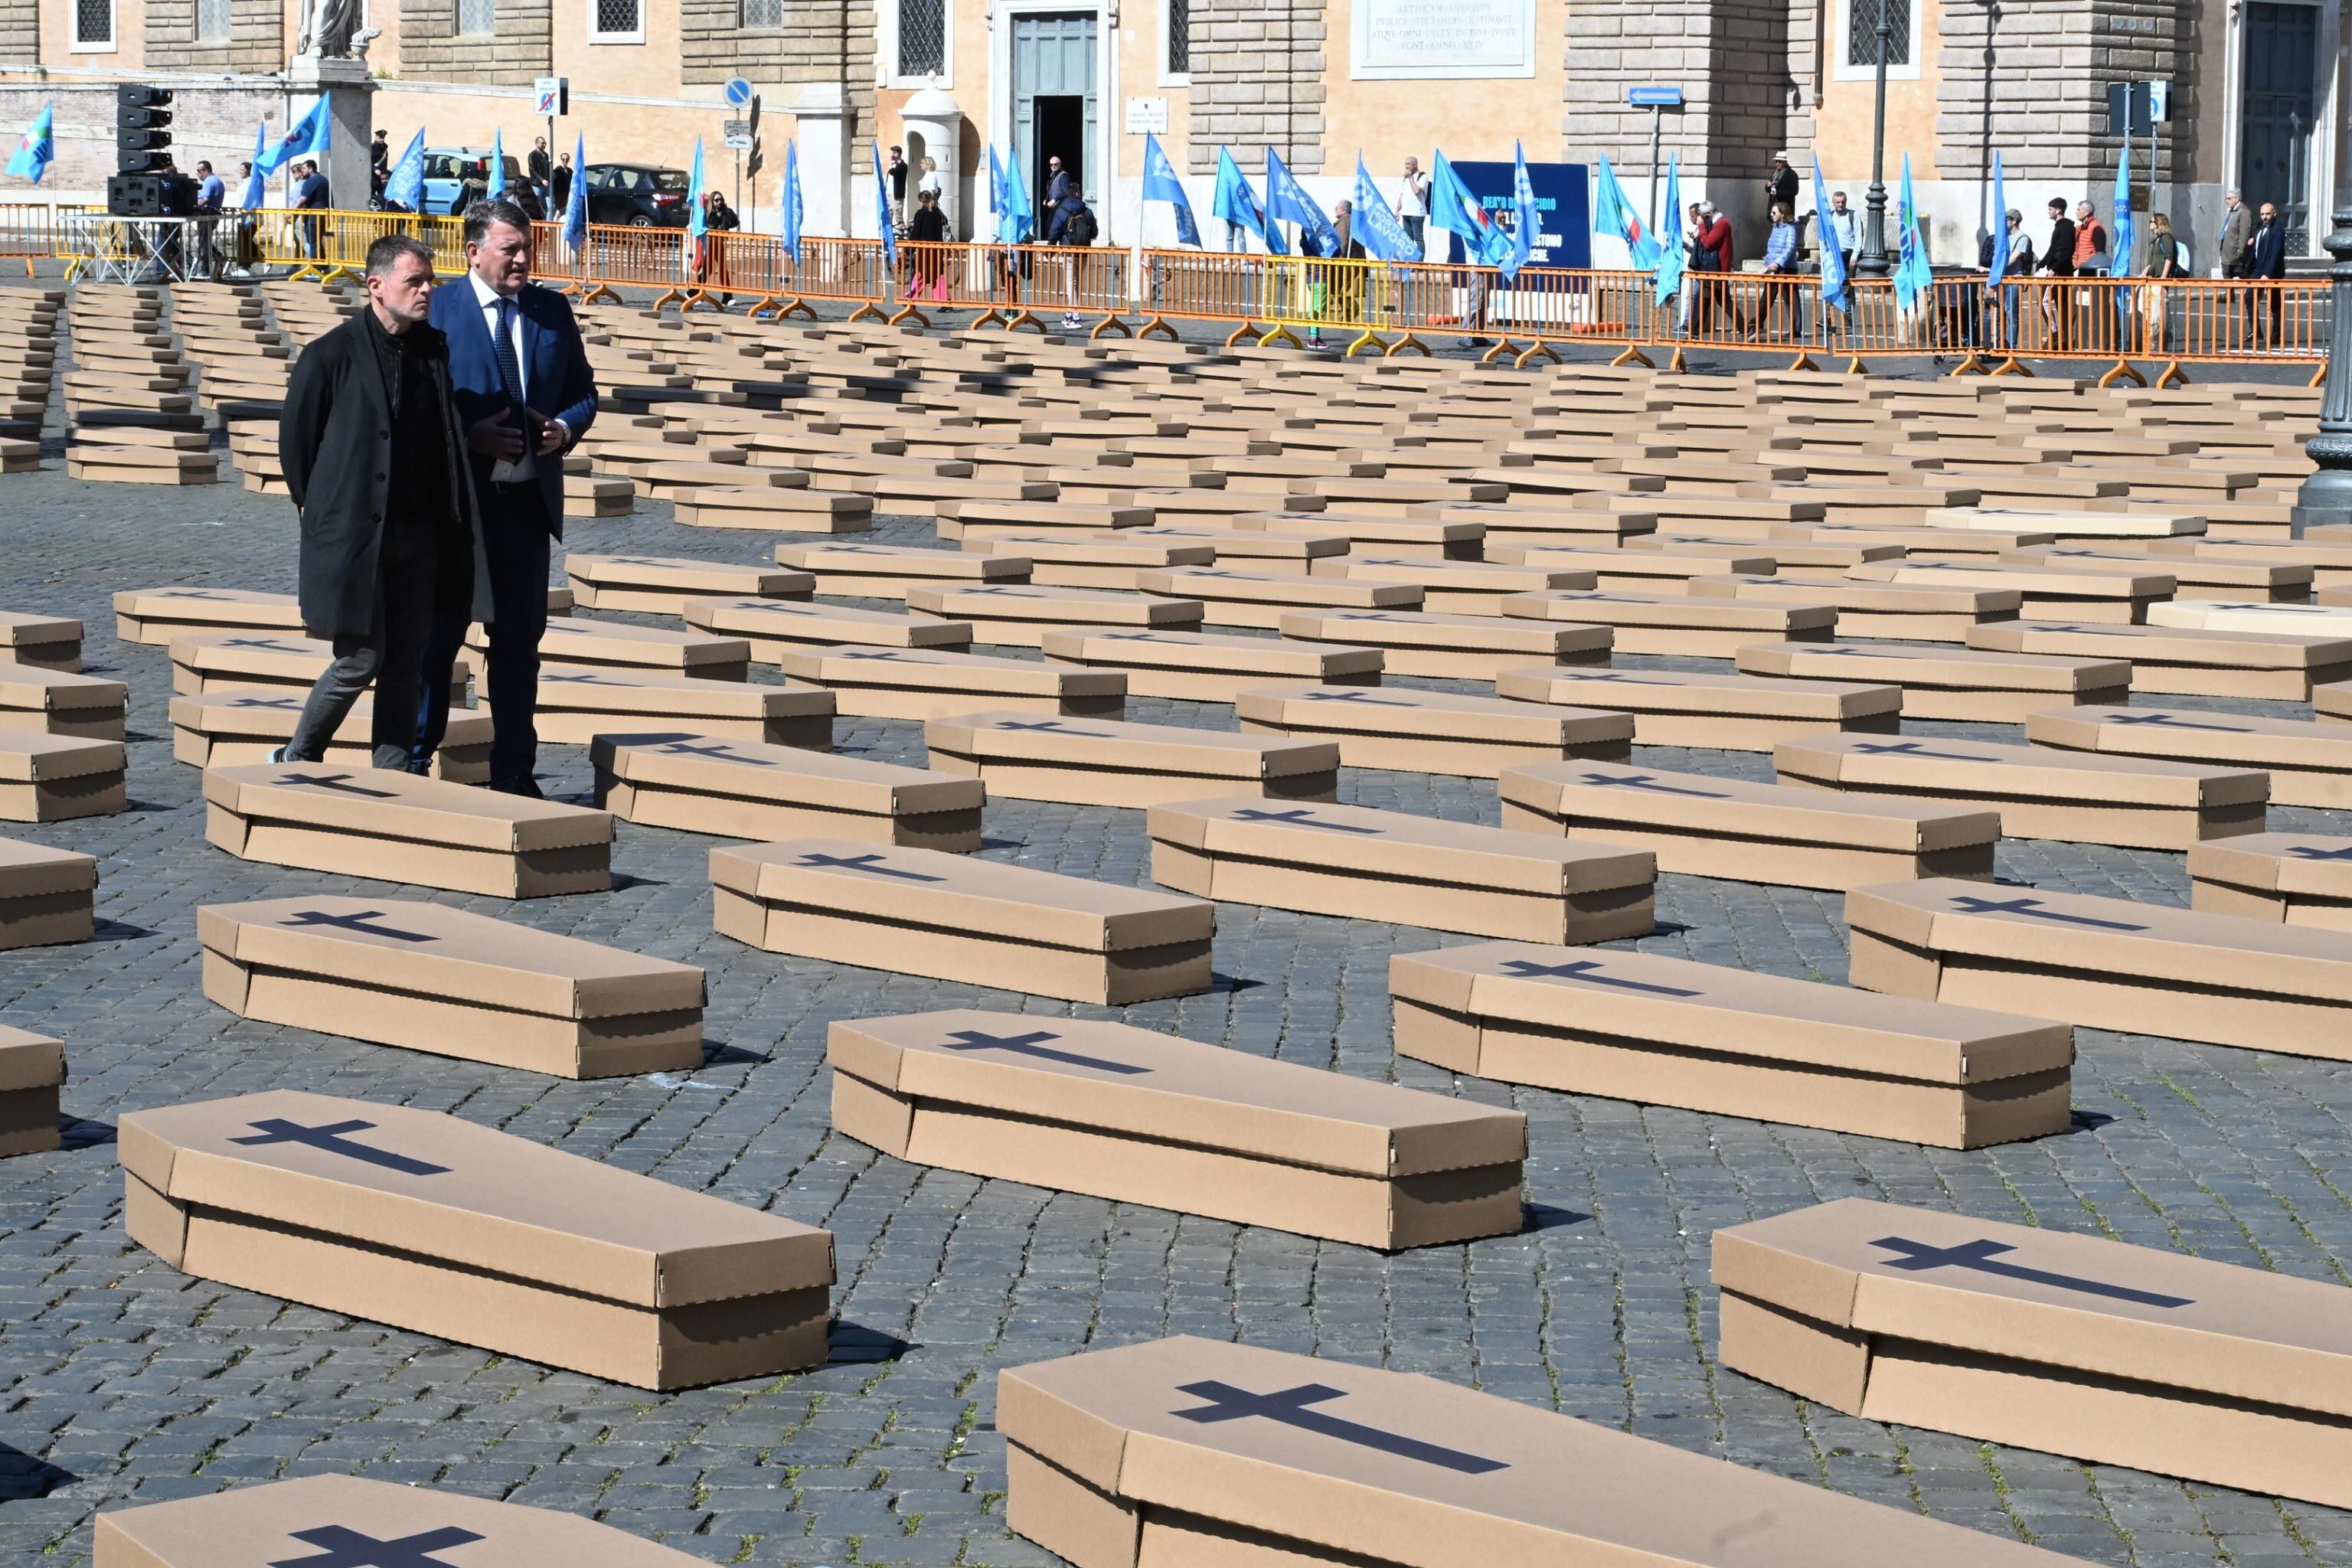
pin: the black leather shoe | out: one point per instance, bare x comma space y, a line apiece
525, 786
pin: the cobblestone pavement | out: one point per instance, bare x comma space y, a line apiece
123, 1379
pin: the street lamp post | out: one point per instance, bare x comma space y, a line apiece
1872, 261
2327, 496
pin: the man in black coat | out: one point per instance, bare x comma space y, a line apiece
373, 457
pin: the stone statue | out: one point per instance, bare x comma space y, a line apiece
328, 26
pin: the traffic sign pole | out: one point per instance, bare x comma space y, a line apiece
1657, 100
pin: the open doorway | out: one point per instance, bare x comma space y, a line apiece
1061, 120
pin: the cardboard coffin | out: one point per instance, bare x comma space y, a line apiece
1452, 647
1410, 730
1661, 570
1690, 624
45, 642
1101, 762
1667, 1031
2309, 764
1233, 597
2185, 661
665, 586
1287, 552
2077, 1345
930, 683
918, 911
1779, 835
1912, 612
1207, 667
1136, 1116
33, 1070
439, 1225
1702, 709
49, 778
578, 703
1959, 683
62, 702
774, 508
1077, 560
159, 615
2068, 593
400, 827
887, 570
1021, 615
772, 626
2272, 580
2290, 879
742, 789
1193, 1453
2108, 963
1473, 588
2136, 523
2330, 621
350, 1515
609, 645
237, 726
47, 896
1356, 862
2135, 801
214, 661
427, 977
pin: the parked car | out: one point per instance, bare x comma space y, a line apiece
640, 196
455, 175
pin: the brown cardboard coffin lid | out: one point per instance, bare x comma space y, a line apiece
29, 871
2239, 740
1649, 560
1700, 691
35, 1061
254, 653
2138, 521
2310, 864
271, 713
1425, 1474
471, 1194
1986, 770
2117, 939
33, 689
1804, 554
1784, 813
2073, 582
1063, 607
1011, 736
1098, 549
1115, 1077
1249, 542
570, 637
900, 560
386, 803
1939, 541
237, 606
937, 670
1846, 593
1965, 668
438, 949
1269, 656
2322, 619
2085, 1303
661, 694
1612, 607
960, 894
27, 756
1706, 1006
2169, 645
1466, 576
2210, 570
1445, 715
1225, 584
809, 623
18, 629
1376, 530
1444, 633
1397, 844
685, 574
249, 1525
790, 774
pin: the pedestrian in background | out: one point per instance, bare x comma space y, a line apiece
1842, 229
1071, 223
2266, 261
1412, 207
896, 175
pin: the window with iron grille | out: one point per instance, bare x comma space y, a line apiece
212, 21
763, 13
94, 24
477, 18
1861, 32
619, 18
1180, 37
922, 37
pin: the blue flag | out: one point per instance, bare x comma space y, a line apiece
1161, 184
1235, 201
38, 150
881, 203
1286, 201
1613, 215
1834, 281
1672, 257
697, 220
1453, 209
1526, 222
498, 178
1377, 226
405, 183
1016, 217
2121, 239
1997, 255
575, 204
1913, 275
257, 187
306, 137
796, 210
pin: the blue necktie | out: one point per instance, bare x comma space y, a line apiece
502, 345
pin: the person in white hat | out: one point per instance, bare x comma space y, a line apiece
1782, 185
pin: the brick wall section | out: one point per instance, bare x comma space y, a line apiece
2029, 78
20, 32
523, 49
1257, 82
1731, 57
257, 40
821, 41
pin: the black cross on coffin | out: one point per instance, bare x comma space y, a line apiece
577, 680
884, 655
358, 923
1289, 1406
1914, 749
1054, 727
339, 783
195, 593
342, 1547
1140, 636
1645, 781
330, 1138
1032, 1044
272, 644
869, 864
719, 750
278, 703
1299, 817
1585, 969
2174, 721
1356, 697
2310, 852
2033, 909
1917, 1256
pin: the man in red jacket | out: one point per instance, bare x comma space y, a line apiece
1714, 238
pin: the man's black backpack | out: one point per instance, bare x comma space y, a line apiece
1078, 228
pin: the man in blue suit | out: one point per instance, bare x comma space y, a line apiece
2266, 258
524, 394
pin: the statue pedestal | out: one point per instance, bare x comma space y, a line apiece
349, 88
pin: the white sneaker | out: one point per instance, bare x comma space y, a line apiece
1071, 324
277, 753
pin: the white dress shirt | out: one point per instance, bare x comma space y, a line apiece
503, 472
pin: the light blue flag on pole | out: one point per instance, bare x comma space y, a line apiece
1377, 226
2121, 255
995, 188
1913, 275
1996, 254
307, 136
1526, 221
1286, 201
1234, 201
405, 183
1834, 279
881, 203
575, 203
256, 178
1672, 257
1016, 217
1161, 184
1453, 209
795, 210
498, 176
697, 220
1613, 215
38, 150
